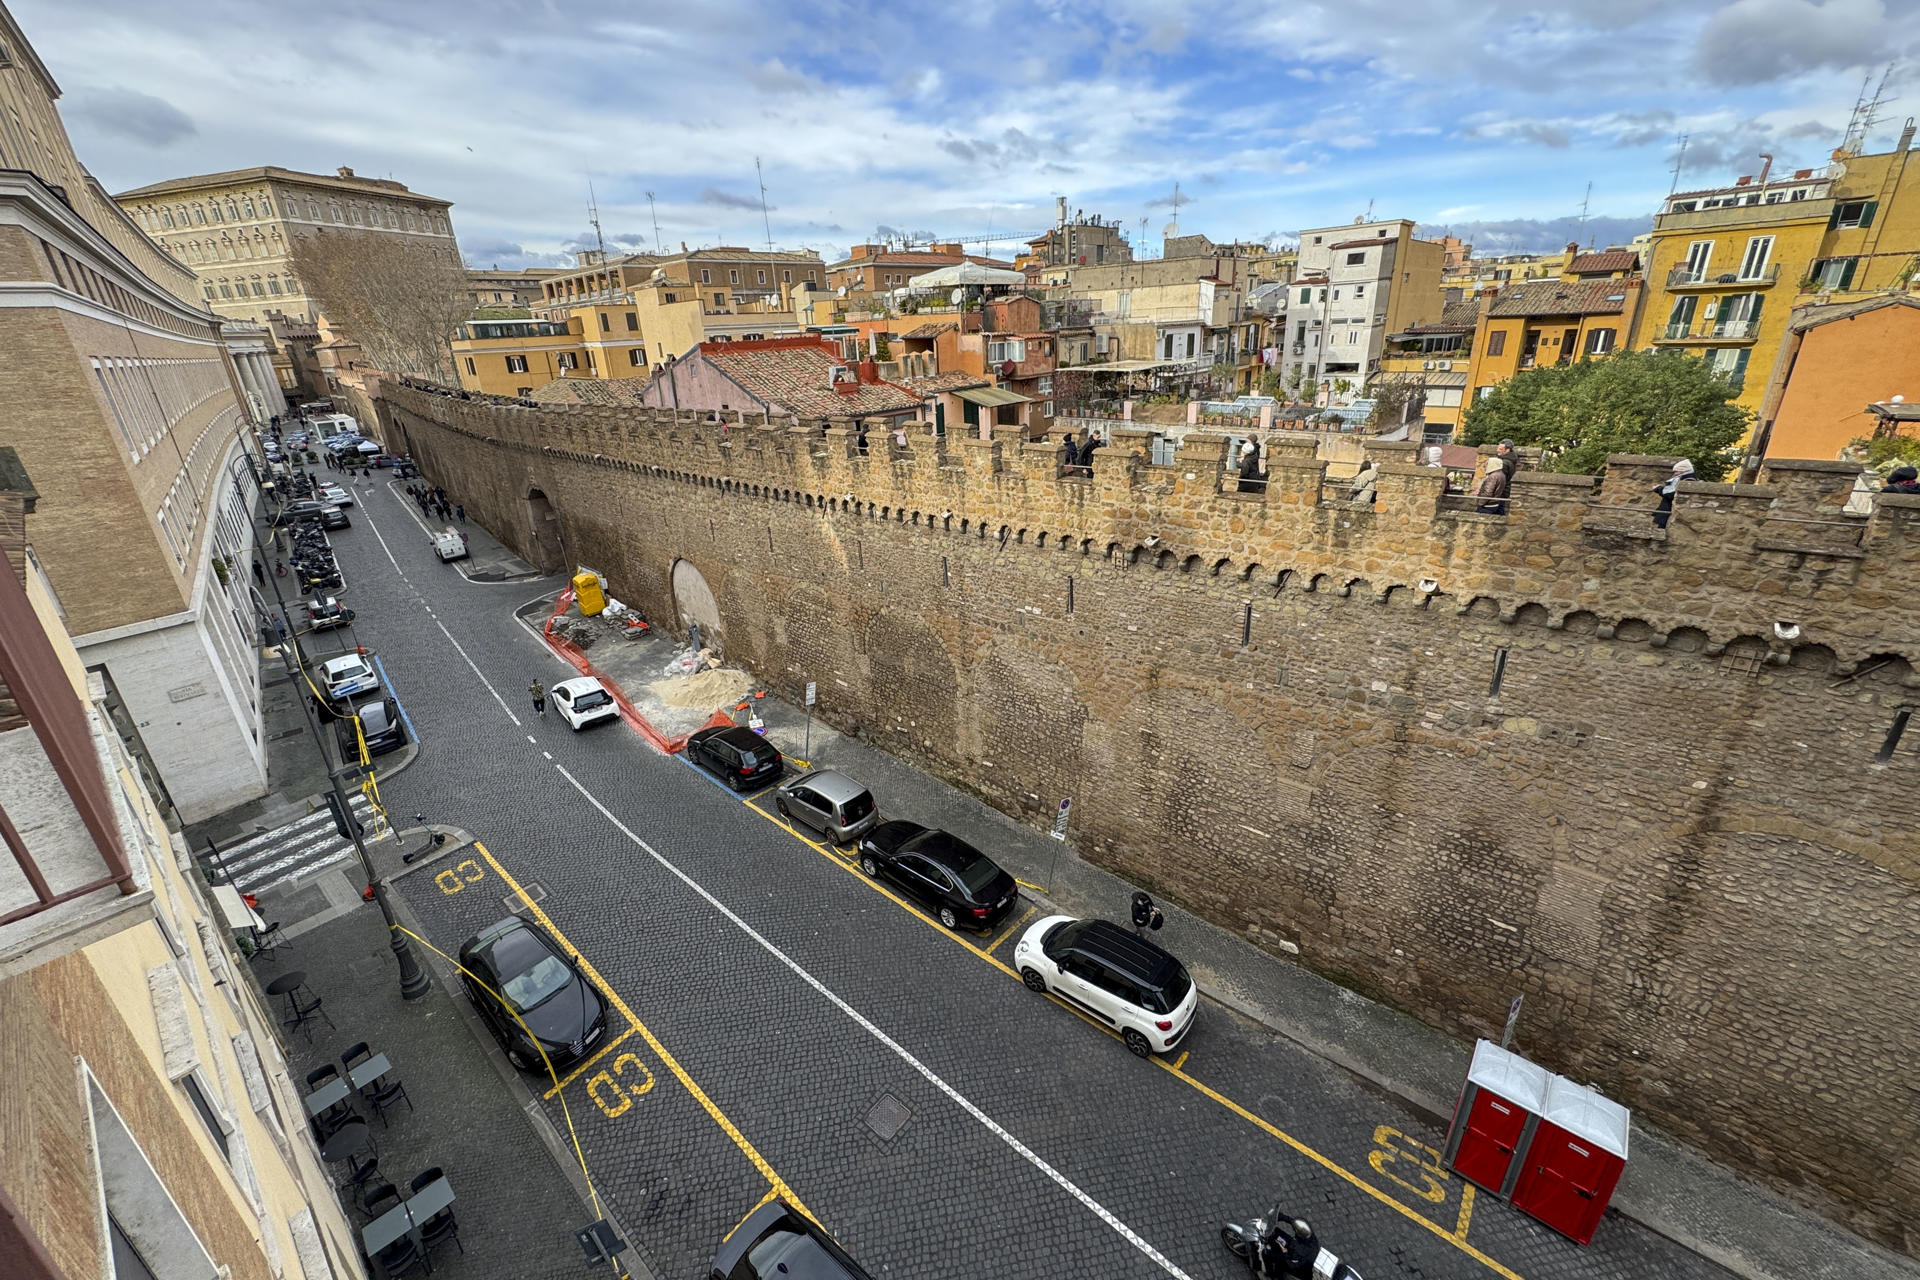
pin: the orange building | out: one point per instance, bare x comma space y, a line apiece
1837, 359
1589, 311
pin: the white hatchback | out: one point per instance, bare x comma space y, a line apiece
348, 677
582, 701
1112, 975
335, 495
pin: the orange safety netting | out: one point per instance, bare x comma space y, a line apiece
574, 655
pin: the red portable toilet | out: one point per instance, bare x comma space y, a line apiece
1575, 1159
1494, 1117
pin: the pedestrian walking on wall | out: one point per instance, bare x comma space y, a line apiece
1682, 470
460, 512
1492, 492
1252, 478
538, 692
1364, 491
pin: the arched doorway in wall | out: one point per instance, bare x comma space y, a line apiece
693, 603
543, 524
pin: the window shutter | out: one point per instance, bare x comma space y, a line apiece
1833, 219
1866, 213
1846, 274
1753, 318
177, 1049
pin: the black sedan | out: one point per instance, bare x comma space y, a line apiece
543, 991
778, 1242
945, 874
379, 722
741, 757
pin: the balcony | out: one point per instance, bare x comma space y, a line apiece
1723, 331
1683, 278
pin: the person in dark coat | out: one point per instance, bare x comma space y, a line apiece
1682, 470
1252, 479
1903, 480
1492, 493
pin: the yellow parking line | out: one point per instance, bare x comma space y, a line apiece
1455, 1237
1181, 1061
586, 1066
660, 1050
995, 946
1025, 885
1466, 1211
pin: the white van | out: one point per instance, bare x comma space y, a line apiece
449, 545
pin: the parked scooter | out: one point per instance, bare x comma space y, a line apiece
1282, 1248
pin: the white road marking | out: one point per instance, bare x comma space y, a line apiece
1025, 1152
547, 754
535, 741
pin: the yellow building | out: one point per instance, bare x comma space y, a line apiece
1436, 355
512, 357
1589, 310
1728, 265
148, 1109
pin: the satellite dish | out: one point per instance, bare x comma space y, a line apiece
958, 296
841, 292
1171, 229
1898, 400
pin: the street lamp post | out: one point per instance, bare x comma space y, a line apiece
414, 980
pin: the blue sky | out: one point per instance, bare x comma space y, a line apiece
966, 120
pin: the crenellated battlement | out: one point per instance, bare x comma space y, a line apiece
1739, 562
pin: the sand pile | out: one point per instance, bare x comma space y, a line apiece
708, 690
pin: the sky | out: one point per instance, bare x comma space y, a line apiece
957, 121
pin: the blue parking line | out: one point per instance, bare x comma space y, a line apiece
395, 695
708, 776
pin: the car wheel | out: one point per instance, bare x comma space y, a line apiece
1031, 976
868, 865
1137, 1044
780, 803
733, 782
949, 919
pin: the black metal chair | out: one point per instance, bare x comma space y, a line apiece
303, 1014
378, 1197
442, 1226
384, 1092
268, 940
403, 1255
355, 1056
320, 1075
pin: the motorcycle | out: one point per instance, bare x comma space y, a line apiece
1281, 1248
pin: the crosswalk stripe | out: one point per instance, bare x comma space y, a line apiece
359, 803
300, 847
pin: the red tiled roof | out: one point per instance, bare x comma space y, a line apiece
931, 329
1564, 298
794, 373
1359, 244
1611, 260
953, 381
919, 258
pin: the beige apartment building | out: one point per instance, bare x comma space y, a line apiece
126, 406
724, 277
494, 289
234, 229
153, 1129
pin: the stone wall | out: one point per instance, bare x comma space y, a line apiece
1665, 822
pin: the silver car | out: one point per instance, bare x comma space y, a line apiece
830, 803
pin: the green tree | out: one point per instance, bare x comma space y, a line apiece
1884, 453
1628, 402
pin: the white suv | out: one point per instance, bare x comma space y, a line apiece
1113, 976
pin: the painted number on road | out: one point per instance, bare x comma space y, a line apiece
614, 1090
1409, 1163
460, 875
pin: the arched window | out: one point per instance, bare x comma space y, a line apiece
226, 290
273, 285
259, 290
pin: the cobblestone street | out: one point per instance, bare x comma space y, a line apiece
768, 999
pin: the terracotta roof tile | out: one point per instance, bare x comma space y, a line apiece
931, 329
794, 374
611, 392
1611, 260
1564, 298
952, 381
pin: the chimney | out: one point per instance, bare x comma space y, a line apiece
1745, 180
868, 371
345, 172
1766, 168
1060, 211
1573, 246
946, 248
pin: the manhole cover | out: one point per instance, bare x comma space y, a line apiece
535, 892
888, 1117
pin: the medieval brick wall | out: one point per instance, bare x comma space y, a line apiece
1668, 825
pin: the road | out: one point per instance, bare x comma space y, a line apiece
773, 1002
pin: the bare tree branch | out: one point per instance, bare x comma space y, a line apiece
402, 300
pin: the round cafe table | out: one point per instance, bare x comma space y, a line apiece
287, 982
344, 1141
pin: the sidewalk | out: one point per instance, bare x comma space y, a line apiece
1668, 1187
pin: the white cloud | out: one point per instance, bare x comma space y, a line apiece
1754, 41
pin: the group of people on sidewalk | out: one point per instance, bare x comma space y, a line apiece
432, 501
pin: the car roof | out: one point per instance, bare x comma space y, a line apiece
494, 932
738, 735
579, 684
1127, 952
832, 785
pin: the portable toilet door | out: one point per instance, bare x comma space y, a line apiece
1575, 1160
1494, 1117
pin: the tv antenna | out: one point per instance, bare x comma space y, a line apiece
1173, 228
1679, 163
656, 223
593, 216
1586, 203
1866, 113
765, 223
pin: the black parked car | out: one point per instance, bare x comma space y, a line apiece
380, 722
741, 757
334, 517
544, 986
777, 1242
294, 512
948, 876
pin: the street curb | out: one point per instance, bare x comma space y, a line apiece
523, 1097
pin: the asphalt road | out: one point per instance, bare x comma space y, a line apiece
771, 998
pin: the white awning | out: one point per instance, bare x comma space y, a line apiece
965, 273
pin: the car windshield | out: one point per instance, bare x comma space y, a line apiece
1063, 935
529, 972
858, 807
787, 1255
975, 869
749, 758
590, 699
350, 671
374, 718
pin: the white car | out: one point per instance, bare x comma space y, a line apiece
1114, 976
583, 701
348, 677
334, 495
449, 545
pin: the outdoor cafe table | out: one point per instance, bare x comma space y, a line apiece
334, 1090
369, 1071
407, 1216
